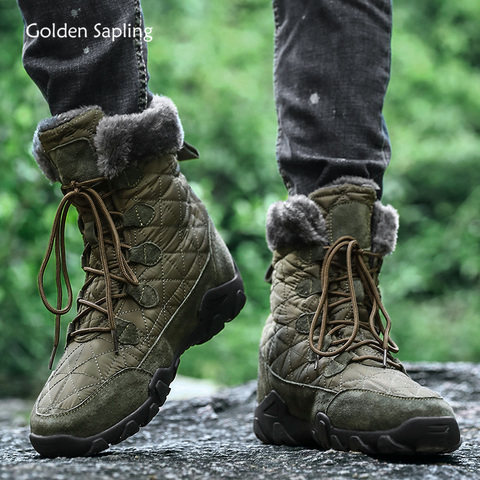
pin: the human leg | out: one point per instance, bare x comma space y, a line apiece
159, 278
327, 372
82, 65
332, 68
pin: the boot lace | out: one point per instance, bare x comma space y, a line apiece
107, 234
355, 267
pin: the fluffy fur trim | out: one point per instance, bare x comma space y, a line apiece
125, 139
352, 180
299, 222
385, 222
296, 222
121, 140
43, 161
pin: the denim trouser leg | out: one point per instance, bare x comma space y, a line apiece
332, 67
86, 68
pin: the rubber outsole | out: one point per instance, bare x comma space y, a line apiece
219, 305
273, 424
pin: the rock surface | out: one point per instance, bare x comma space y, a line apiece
211, 437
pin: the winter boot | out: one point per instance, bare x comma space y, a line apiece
327, 376
159, 279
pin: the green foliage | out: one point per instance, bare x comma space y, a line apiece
215, 60
431, 283
23, 217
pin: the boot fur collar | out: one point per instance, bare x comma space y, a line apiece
121, 140
299, 222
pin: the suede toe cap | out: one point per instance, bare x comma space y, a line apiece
367, 410
98, 412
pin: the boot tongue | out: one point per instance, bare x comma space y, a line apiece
347, 210
70, 147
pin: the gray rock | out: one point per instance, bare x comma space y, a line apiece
211, 438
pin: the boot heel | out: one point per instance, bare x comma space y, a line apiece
220, 305
274, 424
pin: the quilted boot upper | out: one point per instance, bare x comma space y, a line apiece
151, 254
327, 345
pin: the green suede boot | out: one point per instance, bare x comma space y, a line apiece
159, 279
327, 376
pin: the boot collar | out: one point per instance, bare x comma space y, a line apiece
114, 142
306, 221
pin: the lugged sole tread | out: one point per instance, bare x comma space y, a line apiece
219, 306
419, 435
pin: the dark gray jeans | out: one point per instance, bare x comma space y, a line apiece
332, 67
82, 66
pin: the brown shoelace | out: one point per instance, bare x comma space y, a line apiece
355, 267
105, 226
